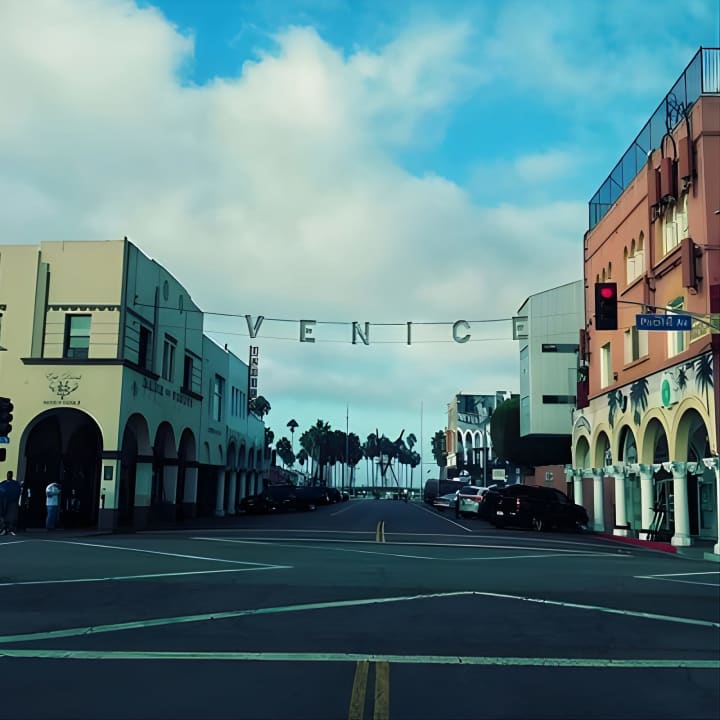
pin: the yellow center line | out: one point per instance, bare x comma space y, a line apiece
382, 531
359, 690
381, 710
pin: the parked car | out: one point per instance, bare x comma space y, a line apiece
469, 500
445, 502
539, 508
489, 501
278, 498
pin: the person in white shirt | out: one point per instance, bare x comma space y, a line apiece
52, 503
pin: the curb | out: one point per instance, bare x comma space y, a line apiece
649, 544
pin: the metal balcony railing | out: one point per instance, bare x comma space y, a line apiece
700, 77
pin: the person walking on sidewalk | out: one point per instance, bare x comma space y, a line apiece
10, 500
52, 504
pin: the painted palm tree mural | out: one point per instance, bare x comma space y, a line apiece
704, 377
616, 402
639, 392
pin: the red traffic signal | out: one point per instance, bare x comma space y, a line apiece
606, 300
6, 416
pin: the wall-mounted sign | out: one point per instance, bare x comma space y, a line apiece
663, 322
62, 385
253, 364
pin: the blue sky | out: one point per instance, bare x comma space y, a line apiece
337, 160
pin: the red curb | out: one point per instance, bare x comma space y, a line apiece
651, 544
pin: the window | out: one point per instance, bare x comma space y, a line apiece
218, 391
677, 340
145, 348
636, 344
675, 224
77, 337
168, 361
236, 402
187, 372
605, 365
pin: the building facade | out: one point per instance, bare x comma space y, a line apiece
468, 441
645, 434
111, 378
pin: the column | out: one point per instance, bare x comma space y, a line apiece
714, 464
232, 493
620, 505
220, 494
681, 538
598, 501
242, 484
190, 499
568, 479
647, 499
578, 486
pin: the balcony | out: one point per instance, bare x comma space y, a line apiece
700, 77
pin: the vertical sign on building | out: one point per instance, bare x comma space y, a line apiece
253, 372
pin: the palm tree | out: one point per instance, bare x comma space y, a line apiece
285, 452
302, 457
292, 424
260, 406
372, 449
438, 448
315, 442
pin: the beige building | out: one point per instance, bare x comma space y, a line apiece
645, 434
118, 395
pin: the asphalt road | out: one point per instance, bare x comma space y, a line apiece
367, 609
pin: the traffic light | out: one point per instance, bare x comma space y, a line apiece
606, 302
6, 416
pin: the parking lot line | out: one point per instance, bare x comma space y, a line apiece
158, 552
389, 659
145, 576
434, 514
304, 607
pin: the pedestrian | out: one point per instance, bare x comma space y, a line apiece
52, 503
11, 498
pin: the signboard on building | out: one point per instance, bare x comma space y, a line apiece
253, 372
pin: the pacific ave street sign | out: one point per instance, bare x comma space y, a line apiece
663, 322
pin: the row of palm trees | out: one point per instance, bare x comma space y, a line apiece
329, 454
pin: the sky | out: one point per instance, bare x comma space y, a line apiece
338, 161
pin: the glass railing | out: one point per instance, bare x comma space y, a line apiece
700, 77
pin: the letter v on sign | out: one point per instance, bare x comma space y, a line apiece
254, 329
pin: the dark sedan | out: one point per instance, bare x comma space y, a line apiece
539, 508
276, 498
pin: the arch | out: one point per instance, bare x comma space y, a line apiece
626, 450
242, 456
232, 456
654, 444
164, 476
609, 271
581, 456
63, 445
692, 437
602, 452
186, 493
135, 442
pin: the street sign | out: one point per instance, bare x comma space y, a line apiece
663, 322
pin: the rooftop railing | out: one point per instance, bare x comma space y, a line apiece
700, 77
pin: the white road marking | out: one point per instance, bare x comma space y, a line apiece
664, 575
339, 512
673, 580
229, 614
143, 577
274, 541
420, 507
10, 542
158, 552
314, 547
635, 663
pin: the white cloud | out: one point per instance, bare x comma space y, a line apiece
275, 193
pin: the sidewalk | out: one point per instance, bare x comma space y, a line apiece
700, 550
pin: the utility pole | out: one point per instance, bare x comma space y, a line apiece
347, 441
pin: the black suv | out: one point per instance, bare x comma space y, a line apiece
537, 507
